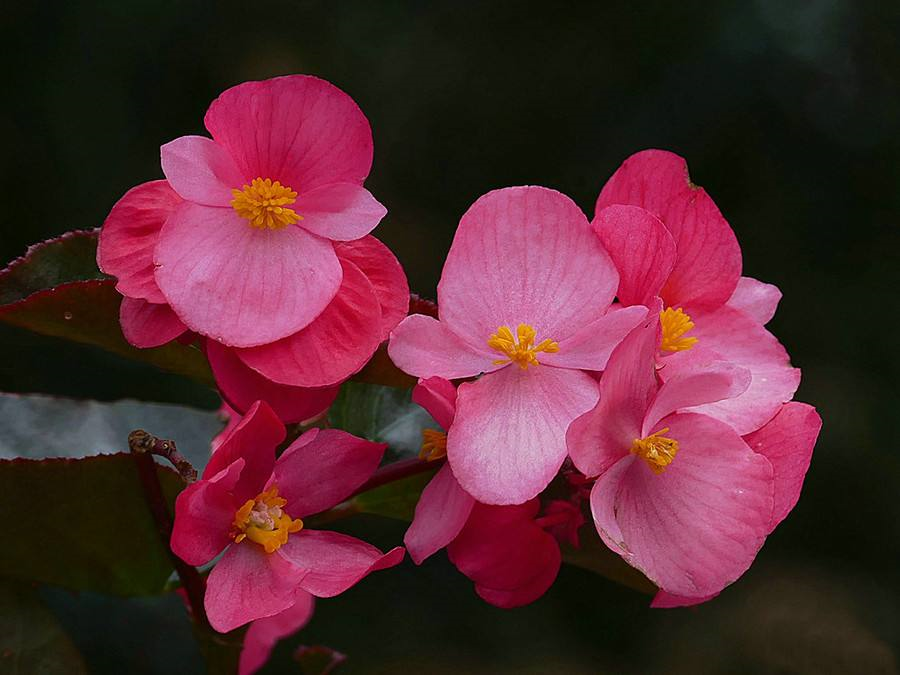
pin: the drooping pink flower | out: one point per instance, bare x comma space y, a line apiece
524, 299
263, 634
251, 505
668, 239
680, 496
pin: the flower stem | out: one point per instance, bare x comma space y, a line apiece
143, 442
396, 471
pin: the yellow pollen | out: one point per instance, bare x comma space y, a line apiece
263, 204
675, 323
434, 445
657, 450
522, 351
262, 520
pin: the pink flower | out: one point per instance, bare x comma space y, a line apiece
280, 279
678, 246
251, 505
264, 634
678, 495
524, 298
507, 551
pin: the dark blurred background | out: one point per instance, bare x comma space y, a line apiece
787, 112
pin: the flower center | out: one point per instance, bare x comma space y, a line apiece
675, 323
523, 350
263, 204
262, 520
434, 445
657, 450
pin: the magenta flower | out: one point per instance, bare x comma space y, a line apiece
678, 495
678, 246
524, 298
251, 505
264, 634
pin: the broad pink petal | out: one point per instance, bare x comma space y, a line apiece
297, 129
663, 600
334, 346
641, 248
146, 324
386, 275
249, 584
242, 386
441, 513
438, 397
200, 171
241, 285
787, 441
204, 512
264, 634
342, 211
423, 346
524, 594
508, 438
598, 439
647, 179
129, 235
335, 562
254, 440
730, 335
757, 299
590, 347
524, 255
697, 526
322, 468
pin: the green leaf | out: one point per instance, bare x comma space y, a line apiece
31, 639
395, 500
82, 524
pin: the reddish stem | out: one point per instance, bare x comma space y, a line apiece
396, 471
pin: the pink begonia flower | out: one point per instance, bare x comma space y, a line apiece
264, 634
524, 299
668, 239
507, 551
680, 496
251, 505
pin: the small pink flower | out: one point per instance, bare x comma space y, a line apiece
264, 634
668, 239
251, 505
680, 495
524, 299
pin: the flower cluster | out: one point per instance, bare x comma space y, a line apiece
617, 370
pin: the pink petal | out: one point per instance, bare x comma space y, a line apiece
242, 387
787, 441
423, 347
335, 345
663, 600
590, 347
508, 438
441, 513
524, 255
241, 285
598, 439
200, 171
438, 397
730, 335
335, 562
146, 324
386, 275
757, 299
342, 211
254, 440
324, 467
696, 527
129, 236
647, 179
524, 594
264, 634
642, 249
204, 512
249, 584
298, 129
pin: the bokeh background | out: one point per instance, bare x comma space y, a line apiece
788, 114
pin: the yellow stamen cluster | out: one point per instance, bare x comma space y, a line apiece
434, 445
675, 323
263, 204
262, 520
656, 449
522, 351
